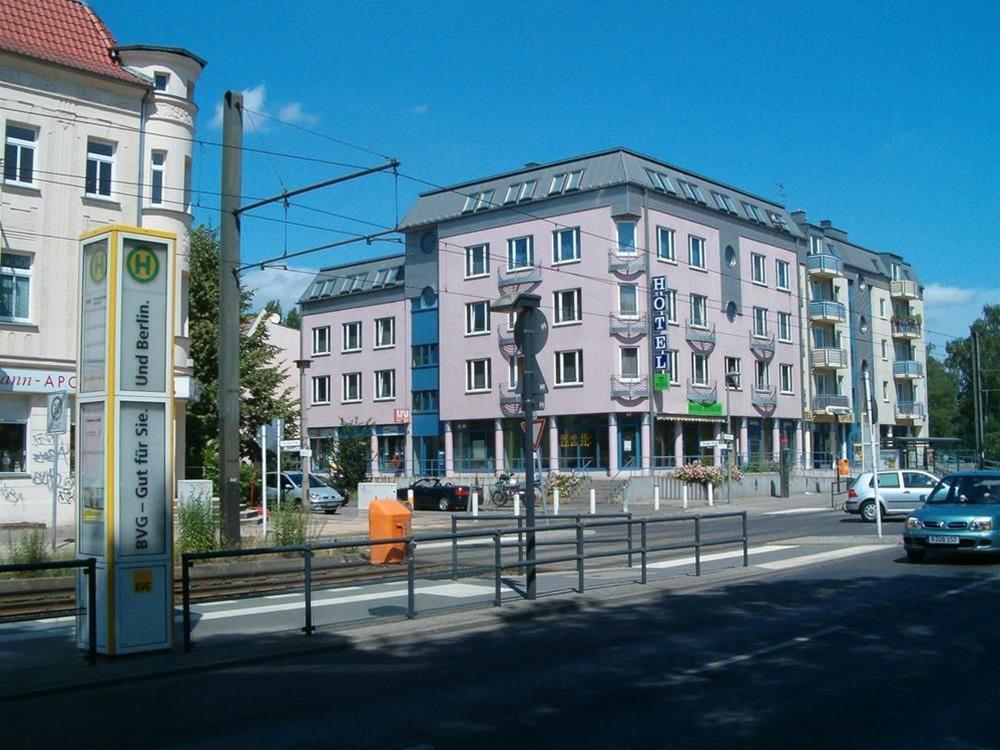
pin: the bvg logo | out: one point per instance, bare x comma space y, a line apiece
142, 264
99, 265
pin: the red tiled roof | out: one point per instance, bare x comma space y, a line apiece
66, 32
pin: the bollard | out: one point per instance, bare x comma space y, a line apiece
710, 502
185, 601
684, 496
555, 501
656, 497
517, 503
697, 545
520, 540
593, 501
642, 528
475, 503
497, 567
411, 604
579, 555
454, 548
307, 559
409, 498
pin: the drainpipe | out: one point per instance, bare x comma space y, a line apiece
143, 110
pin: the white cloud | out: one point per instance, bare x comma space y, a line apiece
278, 283
950, 310
419, 109
936, 294
255, 100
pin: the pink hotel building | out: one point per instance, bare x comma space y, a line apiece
759, 314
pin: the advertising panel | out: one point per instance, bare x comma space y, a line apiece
91, 482
658, 304
94, 316
144, 323
142, 481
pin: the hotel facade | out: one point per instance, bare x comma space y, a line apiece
676, 311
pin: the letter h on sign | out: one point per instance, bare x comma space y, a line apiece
658, 302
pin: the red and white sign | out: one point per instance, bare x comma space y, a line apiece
401, 416
537, 430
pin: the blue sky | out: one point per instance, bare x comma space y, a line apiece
882, 117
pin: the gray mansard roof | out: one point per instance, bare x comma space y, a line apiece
593, 172
335, 282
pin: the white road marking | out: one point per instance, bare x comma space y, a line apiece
820, 557
729, 661
720, 556
968, 586
793, 511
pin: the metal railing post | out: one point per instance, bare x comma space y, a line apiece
92, 611
746, 543
411, 604
697, 545
186, 600
454, 548
520, 541
307, 556
497, 567
629, 525
579, 555
642, 528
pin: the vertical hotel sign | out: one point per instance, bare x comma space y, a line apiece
125, 403
661, 363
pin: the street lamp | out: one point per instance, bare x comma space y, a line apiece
524, 306
732, 380
304, 454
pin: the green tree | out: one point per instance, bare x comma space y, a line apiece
274, 307
959, 364
942, 397
352, 455
293, 319
260, 376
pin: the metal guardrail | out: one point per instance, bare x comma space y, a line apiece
839, 486
496, 534
89, 564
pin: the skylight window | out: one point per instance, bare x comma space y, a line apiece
698, 194
359, 282
485, 200
512, 191
528, 190
558, 182
380, 277
661, 181
574, 180
778, 220
753, 213
393, 276
688, 191
470, 203
724, 202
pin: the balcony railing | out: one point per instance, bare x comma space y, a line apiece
829, 357
764, 395
701, 333
626, 261
907, 368
706, 393
904, 289
909, 410
826, 401
906, 328
762, 346
629, 389
825, 309
506, 339
518, 276
510, 397
825, 265
629, 327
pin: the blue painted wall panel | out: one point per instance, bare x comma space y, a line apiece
425, 327
425, 378
425, 425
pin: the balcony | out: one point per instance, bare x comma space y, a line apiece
626, 261
904, 290
629, 389
702, 333
706, 393
525, 277
906, 328
510, 398
831, 403
506, 340
827, 310
824, 266
907, 369
629, 327
829, 358
762, 347
765, 396
909, 410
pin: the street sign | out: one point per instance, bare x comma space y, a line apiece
58, 413
287, 445
537, 430
728, 437
305, 453
709, 444
401, 416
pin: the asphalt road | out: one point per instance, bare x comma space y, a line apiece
868, 651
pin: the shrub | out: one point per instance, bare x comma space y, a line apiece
197, 526
30, 548
698, 473
567, 484
288, 526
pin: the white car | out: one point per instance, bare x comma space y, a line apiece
899, 493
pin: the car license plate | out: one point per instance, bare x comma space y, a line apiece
942, 540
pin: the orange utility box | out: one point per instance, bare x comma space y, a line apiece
388, 519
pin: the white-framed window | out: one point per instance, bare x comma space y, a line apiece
520, 253
758, 268
628, 363
512, 192
100, 167
762, 375
321, 389
724, 202
628, 300
885, 390
321, 340
734, 373
672, 367
895, 271
626, 237
574, 180
351, 337
569, 367
13, 447
15, 287
477, 318
699, 368
478, 375
787, 384
760, 321
350, 387
515, 369
752, 212
485, 200
785, 327
477, 261
568, 307
558, 183
385, 333
885, 349
781, 277
692, 191
696, 251
699, 310
672, 306
157, 167
511, 321
881, 307
528, 190
385, 385
566, 245
161, 80
19, 154
665, 244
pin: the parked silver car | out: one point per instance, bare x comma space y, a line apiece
321, 495
899, 492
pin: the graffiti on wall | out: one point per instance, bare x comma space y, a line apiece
10, 494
